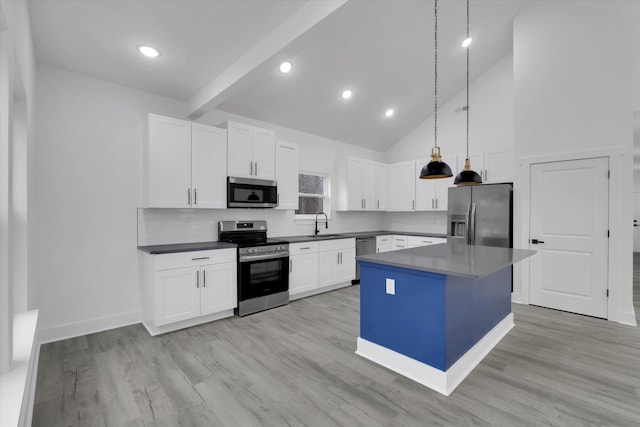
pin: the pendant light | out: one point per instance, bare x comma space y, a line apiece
467, 176
436, 168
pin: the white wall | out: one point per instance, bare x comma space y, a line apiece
573, 97
490, 119
88, 174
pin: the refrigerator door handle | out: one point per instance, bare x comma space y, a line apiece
467, 217
473, 224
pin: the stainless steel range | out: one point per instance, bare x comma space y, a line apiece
263, 265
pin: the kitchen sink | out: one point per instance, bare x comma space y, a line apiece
317, 236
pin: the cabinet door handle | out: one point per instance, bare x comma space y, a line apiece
378, 204
198, 279
204, 278
188, 196
413, 205
195, 196
432, 204
436, 203
338, 258
290, 266
251, 167
256, 168
202, 257
305, 248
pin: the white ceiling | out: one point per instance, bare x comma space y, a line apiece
383, 50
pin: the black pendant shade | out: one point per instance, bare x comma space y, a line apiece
436, 168
467, 176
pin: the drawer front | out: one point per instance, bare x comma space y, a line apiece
384, 240
415, 241
334, 245
303, 248
400, 242
194, 258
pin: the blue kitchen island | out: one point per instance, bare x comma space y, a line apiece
433, 313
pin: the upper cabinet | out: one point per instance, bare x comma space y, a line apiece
361, 184
493, 166
498, 166
184, 164
287, 175
402, 187
381, 186
251, 151
432, 194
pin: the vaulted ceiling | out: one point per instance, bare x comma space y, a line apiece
381, 50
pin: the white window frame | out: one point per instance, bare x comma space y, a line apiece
306, 218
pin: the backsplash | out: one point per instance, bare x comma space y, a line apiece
419, 222
164, 226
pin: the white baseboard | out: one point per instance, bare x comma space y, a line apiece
625, 318
156, 330
444, 382
319, 291
77, 329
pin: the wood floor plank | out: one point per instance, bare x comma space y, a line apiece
295, 365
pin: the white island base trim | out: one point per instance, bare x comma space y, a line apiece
444, 382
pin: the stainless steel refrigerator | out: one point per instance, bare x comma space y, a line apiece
481, 215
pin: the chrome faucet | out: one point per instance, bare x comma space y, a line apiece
326, 221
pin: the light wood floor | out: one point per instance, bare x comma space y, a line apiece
296, 365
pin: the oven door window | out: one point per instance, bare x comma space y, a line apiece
259, 278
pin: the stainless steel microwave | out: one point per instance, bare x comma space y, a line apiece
251, 193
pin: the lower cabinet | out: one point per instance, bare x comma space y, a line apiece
188, 286
417, 241
384, 243
303, 267
317, 265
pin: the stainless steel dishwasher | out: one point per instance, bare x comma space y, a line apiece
364, 246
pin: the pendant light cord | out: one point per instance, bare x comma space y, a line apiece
467, 81
435, 76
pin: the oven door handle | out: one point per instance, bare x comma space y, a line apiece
247, 258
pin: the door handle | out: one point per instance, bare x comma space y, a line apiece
198, 279
256, 168
536, 241
204, 278
195, 196
290, 266
188, 196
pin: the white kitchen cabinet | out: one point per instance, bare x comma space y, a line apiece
218, 290
336, 261
493, 166
287, 159
177, 297
184, 164
303, 267
381, 186
417, 241
361, 184
187, 288
402, 186
432, 194
251, 151
400, 242
498, 166
208, 167
384, 243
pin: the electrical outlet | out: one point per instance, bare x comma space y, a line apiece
391, 286
186, 222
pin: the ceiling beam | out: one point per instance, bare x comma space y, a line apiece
257, 59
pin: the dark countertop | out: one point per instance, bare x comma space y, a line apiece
203, 246
330, 236
455, 259
185, 247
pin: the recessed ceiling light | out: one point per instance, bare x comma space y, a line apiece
467, 42
148, 51
347, 94
285, 67
389, 112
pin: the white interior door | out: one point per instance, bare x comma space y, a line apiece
636, 222
569, 219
